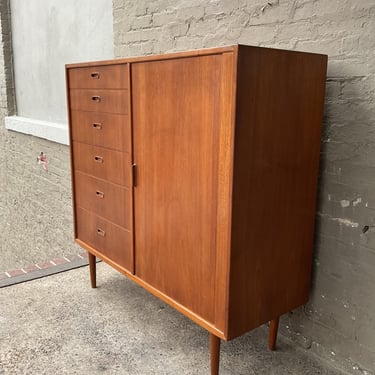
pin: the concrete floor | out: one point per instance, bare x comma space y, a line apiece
59, 325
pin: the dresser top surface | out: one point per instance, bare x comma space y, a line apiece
180, 54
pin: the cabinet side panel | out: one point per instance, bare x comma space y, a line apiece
277, 142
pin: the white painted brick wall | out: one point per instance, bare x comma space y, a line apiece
339, 321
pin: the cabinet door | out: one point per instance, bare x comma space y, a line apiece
176, 121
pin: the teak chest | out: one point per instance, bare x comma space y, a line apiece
195, 175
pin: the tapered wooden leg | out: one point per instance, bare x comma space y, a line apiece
92, 265
274, 326
215, 354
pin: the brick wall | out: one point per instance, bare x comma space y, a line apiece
35, 205
339, 321
37, 212
7, 100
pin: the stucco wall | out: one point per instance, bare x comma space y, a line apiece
47, 35
339, 321
35, 205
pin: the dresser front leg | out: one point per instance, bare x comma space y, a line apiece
274, 326
92, 265
215, 354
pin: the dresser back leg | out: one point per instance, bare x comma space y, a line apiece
92, 265
274, 326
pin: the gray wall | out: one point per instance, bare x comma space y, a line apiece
48, 34
35, 205
339, 321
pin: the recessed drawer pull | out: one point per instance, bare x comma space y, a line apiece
99, 159
95, 75
100, 194
100, 232
96, 98
97, 125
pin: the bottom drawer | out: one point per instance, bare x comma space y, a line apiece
111, 240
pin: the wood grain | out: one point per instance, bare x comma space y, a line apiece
109, 239
104, 199
166, 56
278, 126
104, 77
102, 129
110, 165
105, 101
225, 176
175, 124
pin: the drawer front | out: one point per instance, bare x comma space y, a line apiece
103, 198
99, 77
110, 101
110, 165
101, 129
111, 240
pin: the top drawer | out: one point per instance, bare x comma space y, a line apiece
99, 77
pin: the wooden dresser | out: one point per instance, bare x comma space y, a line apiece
195, 175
